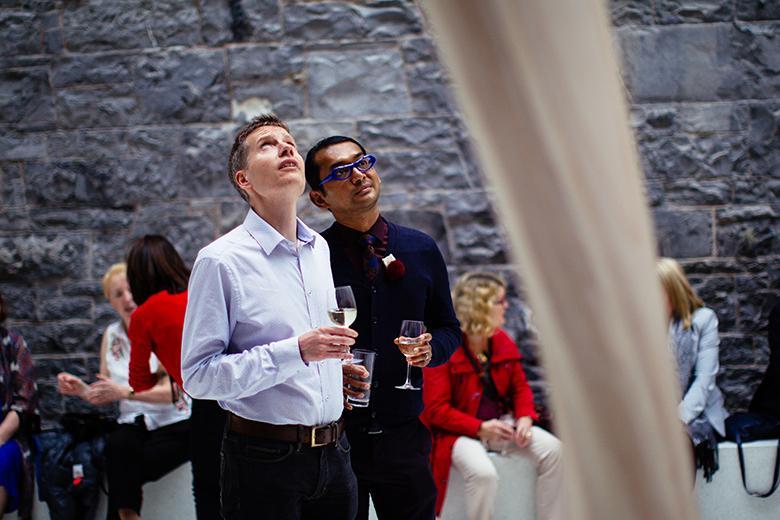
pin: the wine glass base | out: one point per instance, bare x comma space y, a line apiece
407, 386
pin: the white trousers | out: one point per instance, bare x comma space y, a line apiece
471, 459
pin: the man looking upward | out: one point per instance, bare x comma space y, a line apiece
390, 446
255, 340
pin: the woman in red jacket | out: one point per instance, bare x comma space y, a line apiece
158, 280
480, 400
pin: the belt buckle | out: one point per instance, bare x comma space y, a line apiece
314, 443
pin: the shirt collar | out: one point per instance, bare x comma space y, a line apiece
348, 235
268, 237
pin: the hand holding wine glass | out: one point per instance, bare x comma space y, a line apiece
414, 346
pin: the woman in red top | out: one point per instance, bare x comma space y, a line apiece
158, 280
469, 411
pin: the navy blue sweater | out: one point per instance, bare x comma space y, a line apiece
422, 294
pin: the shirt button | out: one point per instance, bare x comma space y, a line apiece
375, 384
309, 293
374, 320
373, 289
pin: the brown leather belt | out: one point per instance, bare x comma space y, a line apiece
312, 436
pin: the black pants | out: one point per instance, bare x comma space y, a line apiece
135, 456
394, 467
281, 481
208, 424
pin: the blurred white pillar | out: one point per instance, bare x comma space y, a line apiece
539, 85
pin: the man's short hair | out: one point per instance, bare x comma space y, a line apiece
237, 158
313, 169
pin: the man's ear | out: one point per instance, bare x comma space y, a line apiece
242, 181
318, 199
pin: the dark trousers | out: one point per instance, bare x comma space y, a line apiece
280, 480
394, 467
135, 456
208, 425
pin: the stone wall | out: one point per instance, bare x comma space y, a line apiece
116, 117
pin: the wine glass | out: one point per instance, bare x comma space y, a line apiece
407, 341
345, 311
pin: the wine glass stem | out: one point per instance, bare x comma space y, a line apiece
408, 374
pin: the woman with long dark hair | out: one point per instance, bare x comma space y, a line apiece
158, 279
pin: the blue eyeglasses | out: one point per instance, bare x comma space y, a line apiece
344, 172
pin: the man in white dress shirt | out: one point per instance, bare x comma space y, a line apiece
257, 339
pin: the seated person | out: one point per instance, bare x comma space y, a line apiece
153, 433
480, 399
693, 338
18, 418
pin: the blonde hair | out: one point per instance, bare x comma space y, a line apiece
120, 268
682, 297
473, 297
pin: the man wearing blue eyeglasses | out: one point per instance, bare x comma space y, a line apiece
396, 274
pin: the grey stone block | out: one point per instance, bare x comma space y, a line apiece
308, 132
738, 386
15, 219
49, 403
737, 350
757, 10
286, 99
712, 118
21, 33
418, 49
330, 21
631, 12
417, 170
688, 192
747, 232
429, 87
759, 190
254, 20
108, 105
683, 234
685, 156
654, 193
175, 23
26, 100
108, 24
265, 62
80, 219
32, 258
718, 293
680, 63
408, 133
86, 69
21, 145
65, 308
189, 233
756, 49
83, 144
356, 83
687, 11
723, 266
428, 222
756, 298
19, 301
47, 368
203, 162
91, 288
107, 249
61, 337
473, 228
12, 188
763, 135
183, 86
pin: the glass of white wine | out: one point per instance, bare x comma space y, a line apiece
407, 339
345, 311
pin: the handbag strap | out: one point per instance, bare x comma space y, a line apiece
483, 371
742, 470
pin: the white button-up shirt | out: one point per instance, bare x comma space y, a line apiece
251, 294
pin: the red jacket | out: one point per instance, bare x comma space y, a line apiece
452, 392
156, 326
